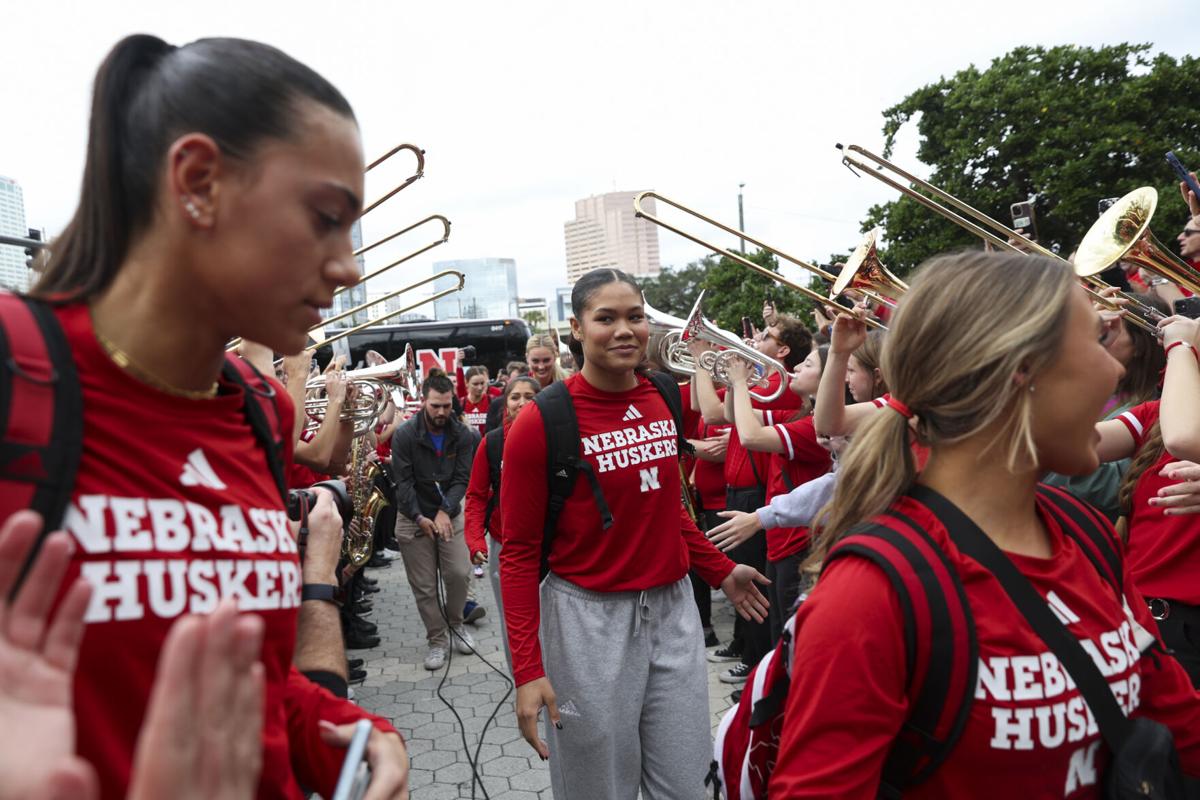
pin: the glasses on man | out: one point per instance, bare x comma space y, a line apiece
1190, 231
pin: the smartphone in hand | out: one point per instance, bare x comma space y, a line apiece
1023, 218
1183, 174
355, 775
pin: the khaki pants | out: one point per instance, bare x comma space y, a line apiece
423, 555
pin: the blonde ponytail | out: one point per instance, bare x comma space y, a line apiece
967, 326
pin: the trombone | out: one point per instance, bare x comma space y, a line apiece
999, 235
420, 172
374, 273
745, 262
462, 279
1123, 234
864, 271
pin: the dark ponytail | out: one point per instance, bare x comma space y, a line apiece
146, 94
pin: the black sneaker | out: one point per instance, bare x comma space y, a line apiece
710, 638
356, 676
735, 696
724, 654
735, 674
354, 663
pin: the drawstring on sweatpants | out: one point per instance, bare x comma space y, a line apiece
641, 613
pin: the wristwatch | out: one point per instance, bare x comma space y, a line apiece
319, 591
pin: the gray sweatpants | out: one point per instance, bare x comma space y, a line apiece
629, 675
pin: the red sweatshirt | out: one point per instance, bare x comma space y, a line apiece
801, 461
1028, 733
476, 413
629, 439
710, 475
479, 494
1164, 552
738, 470
173, 509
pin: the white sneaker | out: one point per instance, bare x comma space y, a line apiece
463, 643
436, 658
389, 555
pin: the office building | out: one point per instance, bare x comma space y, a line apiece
489, 291
605, 233
14, 274
354, 296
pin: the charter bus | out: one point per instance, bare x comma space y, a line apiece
496, 342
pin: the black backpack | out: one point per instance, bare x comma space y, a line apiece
564, 461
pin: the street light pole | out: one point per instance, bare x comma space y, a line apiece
741, 216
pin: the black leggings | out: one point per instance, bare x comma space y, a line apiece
1180, 631
753, 639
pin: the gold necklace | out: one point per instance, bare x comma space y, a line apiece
122, 360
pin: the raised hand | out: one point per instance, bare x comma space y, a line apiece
37, 665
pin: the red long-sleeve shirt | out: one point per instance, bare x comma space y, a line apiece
173, 509
801, 461
629, 439
479, 494
1027, 734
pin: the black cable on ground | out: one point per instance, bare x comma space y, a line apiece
476, 778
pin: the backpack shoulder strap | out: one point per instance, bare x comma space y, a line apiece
262, 412
942, 651
1093, 533
669, 390
41, 411
563, 462
494, 443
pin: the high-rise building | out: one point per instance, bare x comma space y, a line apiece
605, 233
14, 274
560, 310
354, 296
489, 291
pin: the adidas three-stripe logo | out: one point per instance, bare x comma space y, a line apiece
198, 472
631, 414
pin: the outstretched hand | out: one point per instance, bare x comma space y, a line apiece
739, 586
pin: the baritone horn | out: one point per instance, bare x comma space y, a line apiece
741, 259
1123, 234
725, 348
663, 348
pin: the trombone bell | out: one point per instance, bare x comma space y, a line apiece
1123, 234
864, 272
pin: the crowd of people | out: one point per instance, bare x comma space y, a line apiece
184, 579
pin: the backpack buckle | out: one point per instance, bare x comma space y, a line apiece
49, 378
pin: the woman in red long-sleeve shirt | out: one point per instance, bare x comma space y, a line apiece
480, 497
995, 362
612, 646
221, 182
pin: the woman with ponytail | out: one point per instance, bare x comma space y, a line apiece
220, 185
609, 643
996, 365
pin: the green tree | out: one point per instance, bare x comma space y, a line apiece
536, 319
1071, 125
733, 291
674, 291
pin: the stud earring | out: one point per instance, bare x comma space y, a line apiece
192, 210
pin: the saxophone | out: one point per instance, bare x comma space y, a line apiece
368, 501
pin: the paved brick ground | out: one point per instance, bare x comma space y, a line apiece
398, 687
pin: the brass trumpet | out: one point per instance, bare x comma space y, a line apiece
978, 224
373, 387
745, 262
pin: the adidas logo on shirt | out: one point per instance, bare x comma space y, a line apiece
198, 472
631, 414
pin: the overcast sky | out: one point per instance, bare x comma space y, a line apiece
525, 106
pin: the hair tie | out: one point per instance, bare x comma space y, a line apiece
899, 407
